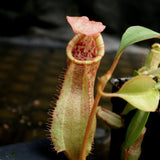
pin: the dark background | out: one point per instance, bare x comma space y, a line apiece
33, 38
22, 16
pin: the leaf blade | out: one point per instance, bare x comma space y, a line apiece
140, 92
135, 127
135, 34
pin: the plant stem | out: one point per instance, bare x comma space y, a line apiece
89, 125
101, 84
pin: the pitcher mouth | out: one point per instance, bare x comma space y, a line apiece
96, 56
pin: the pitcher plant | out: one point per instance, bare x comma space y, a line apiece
74, 117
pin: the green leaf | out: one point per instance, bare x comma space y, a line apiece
135, 127
135, 34
140, 92
127, 109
